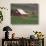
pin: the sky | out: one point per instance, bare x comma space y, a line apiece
26, 7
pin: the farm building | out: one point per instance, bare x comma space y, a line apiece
19, 12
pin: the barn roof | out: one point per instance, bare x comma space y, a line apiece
22, 11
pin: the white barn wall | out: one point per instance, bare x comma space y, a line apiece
23, 30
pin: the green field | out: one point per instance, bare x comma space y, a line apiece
22, 20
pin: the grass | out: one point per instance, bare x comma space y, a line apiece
21, 20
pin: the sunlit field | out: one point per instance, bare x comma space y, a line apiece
24, 20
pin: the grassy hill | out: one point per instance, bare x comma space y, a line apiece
20, 20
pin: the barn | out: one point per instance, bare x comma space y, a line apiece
21, 12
